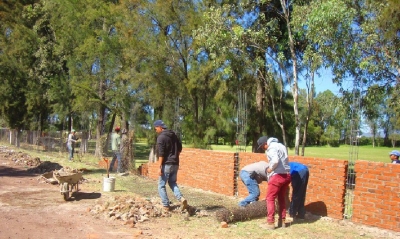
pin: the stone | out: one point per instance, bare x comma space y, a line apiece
224, 225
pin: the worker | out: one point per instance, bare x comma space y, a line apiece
299, 174
252, 175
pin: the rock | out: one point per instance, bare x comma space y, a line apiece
224, 225
137, 233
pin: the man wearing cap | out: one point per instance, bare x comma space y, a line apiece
71, 145
168, 149
394, 156
115, 147
278, 179
252, 175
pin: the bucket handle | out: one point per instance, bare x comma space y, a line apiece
106, 160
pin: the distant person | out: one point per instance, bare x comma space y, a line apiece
115, 147
168, 150
299, 174
72, 139
252, 175
394, 156
278, 179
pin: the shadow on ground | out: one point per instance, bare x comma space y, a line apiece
77, 196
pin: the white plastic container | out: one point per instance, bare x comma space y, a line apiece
109, 184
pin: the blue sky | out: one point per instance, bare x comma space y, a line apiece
324, 82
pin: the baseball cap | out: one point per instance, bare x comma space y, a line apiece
395, 152
159, 123
261, 141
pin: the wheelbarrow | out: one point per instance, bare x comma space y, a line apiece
68, 181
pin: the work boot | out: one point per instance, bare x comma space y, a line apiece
282, 223
184, 204
268, 226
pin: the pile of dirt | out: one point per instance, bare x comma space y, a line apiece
20, 158
44, 167
132, 210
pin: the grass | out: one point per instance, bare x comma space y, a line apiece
344, 152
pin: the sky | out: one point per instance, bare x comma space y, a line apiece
324, 82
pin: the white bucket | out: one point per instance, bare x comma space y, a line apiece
109, 184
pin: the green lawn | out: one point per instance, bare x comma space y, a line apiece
345, 152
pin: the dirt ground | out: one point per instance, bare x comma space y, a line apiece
30, 208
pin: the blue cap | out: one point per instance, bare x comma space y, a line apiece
395, 152
159, 123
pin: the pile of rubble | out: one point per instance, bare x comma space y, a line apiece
44, 167
20, 158
132, 210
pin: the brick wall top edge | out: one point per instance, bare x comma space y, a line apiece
369, 163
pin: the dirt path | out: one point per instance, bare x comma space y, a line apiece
30, 209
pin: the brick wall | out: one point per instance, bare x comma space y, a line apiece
377, 195
204, 169
214, 171
325, 199
326, 185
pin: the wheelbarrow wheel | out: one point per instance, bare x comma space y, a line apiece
65, 191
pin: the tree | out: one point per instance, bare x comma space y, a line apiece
17, 46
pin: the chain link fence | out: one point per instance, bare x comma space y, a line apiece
55, 141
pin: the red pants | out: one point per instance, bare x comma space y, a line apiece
277, 186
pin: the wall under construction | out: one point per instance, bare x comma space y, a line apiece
376, 197
214, 171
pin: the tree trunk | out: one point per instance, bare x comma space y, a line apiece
126, 147
310, 98
260, 105
295, 87
100, 121
109, 132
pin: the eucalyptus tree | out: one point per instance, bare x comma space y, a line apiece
380, 24
285, 15
241, 33
391, 125
374, 107
329, 116
356, 40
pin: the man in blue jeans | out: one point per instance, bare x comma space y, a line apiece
252, 175
168, 149
299, 174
